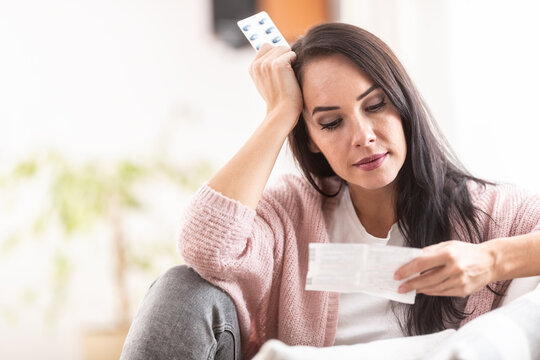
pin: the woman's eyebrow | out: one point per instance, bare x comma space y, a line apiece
328, 108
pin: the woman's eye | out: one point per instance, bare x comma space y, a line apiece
331, 125
376, 107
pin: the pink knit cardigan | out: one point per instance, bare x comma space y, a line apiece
260, 257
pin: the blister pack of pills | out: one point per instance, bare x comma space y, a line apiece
260, 29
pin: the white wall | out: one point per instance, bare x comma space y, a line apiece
102, 80
495, 77
108, 78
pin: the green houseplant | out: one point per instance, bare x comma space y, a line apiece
82, 196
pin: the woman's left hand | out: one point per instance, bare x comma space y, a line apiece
451, 268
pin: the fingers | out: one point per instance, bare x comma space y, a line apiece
444, 288
268, 54
275, 80
453, 286
424, 263
432, 256
452, 268
443, 282
434, 284
432, 278
286, 58
267, 49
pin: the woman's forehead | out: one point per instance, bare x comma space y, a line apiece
330, 68
332, 75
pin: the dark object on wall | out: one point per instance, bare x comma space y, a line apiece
225, 15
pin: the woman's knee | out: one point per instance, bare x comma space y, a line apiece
183, 288
182, 312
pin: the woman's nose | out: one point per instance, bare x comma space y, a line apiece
362, 132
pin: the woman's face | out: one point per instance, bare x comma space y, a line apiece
352, 122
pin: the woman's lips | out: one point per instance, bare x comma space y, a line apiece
371, 162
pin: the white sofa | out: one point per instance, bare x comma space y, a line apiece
510, 332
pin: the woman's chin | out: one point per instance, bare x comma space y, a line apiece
372, 184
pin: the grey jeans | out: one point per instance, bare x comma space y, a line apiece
184, 317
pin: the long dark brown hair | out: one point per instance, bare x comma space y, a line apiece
432, 199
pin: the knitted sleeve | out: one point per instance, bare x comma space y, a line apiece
508, 211
224, 239
527, 218
512, 211
214, 233
242, 250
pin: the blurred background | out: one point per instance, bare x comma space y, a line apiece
113, 112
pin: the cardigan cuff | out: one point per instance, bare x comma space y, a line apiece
222, 204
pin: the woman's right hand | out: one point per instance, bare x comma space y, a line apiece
272, 73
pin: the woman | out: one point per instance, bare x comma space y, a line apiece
375, 171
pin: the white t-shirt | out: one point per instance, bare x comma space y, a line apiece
361, 317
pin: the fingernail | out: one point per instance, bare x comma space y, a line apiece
397, 277
402, 289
